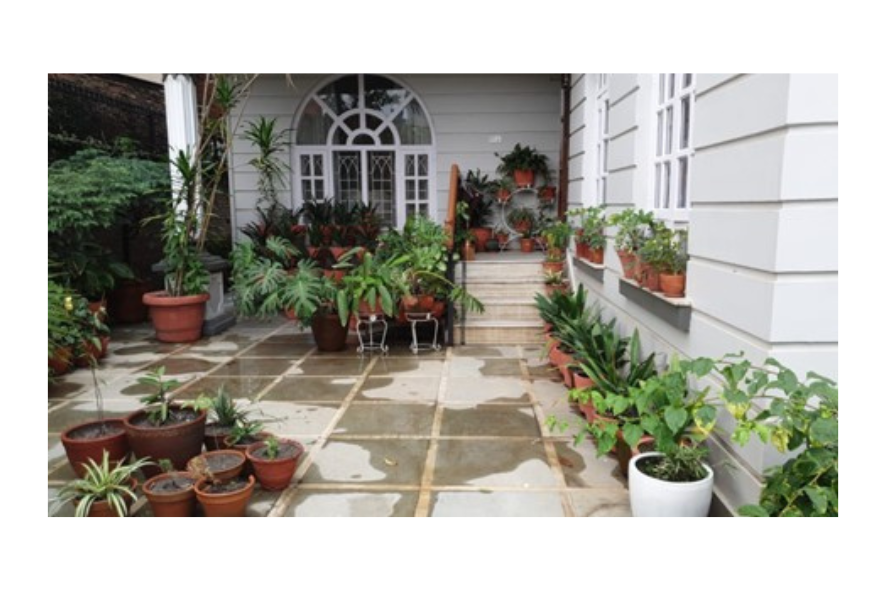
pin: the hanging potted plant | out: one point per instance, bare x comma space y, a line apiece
275, 461
523, 164
106, 489
163, 429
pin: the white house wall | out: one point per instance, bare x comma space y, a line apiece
469, 115
763, 226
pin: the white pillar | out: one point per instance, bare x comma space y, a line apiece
181, 120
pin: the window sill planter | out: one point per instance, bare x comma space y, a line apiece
675, 311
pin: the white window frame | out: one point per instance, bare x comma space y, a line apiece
601, 139
670, 125
327, 150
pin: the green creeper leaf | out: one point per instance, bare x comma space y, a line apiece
824, 431
818, 497
741, 435
632, 434
752, 511
702, 366
650, 423
620, 404
705, 417
675, 418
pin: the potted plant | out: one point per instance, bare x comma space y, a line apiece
163, 429
527, 242
557, 237
503, 189
275, 461
554, 281
222, 498
522, 219
104, 490
503, 235
590, 236
672, 267
651, 258
523, 164
372, 287
64, 330
634, 228
225, 464
222, 415
245, 434
477, 189
171, 494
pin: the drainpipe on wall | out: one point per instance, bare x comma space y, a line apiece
565, 92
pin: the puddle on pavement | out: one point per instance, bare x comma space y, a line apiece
492, 463
500, 420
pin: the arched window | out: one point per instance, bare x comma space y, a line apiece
366, 138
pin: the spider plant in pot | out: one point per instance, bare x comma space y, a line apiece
106, 489
164, 429
221, 498
171, 494
92, 439
275, 461
634, 228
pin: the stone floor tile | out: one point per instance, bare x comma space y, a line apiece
393, 461
582, 468
306, 388
485, 351
472, 367
601, 502
236, 387
295, 418
253, 367
408, 366
290, 351
496, 504
489, 420
492, 389
352, 503
56, 450
386, 419
399, 388
353, 366
492, 463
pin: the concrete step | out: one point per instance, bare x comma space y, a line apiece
506, 309
501, 332
491, 272
514, 290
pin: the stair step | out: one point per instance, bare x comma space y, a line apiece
522, 290
500, 332
511, 271
507, 309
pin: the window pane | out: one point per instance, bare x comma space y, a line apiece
410, 165
423, 165
660, 133
669, 127
306, 190
682, 196
422, 190
318, 165
423, 209
671, 85
666, 186
605, 155
412, 125
372, 122
686, 105
381, 186
661, 88
387, 137
381, 94
606, 117
340, 137
348, 179
340, 95
318, 189
410, 189
657, 186
687, 80
364, 139
314, 125
353, 122
305, 165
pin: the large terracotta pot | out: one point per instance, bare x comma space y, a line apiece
178, 442
628, 263
275, 474
524, 178
125, 305
79, 450
482, 235
232, 504
329, 334
171, 501
673, 286
176, 319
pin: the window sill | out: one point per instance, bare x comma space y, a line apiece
594, 270
675, 311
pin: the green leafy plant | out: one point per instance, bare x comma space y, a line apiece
523, 158
157, 402
224, 412
634, 228
272, 448
522, 216
101, 482
557, 235
271, 145
370, 281
675, 256
245, 431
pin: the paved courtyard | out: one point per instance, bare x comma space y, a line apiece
460, 432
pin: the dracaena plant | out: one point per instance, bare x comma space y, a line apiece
271, 168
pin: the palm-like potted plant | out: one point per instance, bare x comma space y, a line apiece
275, 461
522, 164
163, 429
106, 489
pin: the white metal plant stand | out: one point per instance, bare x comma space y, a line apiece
414, 319
368, 322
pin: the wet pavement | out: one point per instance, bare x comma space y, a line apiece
459, 432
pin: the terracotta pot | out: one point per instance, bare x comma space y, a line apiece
503, 195
61, 361
524, 178
368, 309
231, 504
337, 251
580, 380
561, 287
673, 286
178, 443
234, 457
329, 334
103, 509
595, 255
554, 266
91, 351
275, 474
409, 303
79, 450
555, 356
336, 275
176, 320
548, 193
628, 263
527, 245
588, 410
125, 305
482, 236
426, 302
548, 327
503, 239
175, 503
100, 308
438, 309
468, 252
522, 227
214, 436
242, 447
566, 360
647, 276
624, 453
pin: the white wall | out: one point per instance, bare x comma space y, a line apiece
468, 112
762, 276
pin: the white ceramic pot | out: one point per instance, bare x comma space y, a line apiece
651, 497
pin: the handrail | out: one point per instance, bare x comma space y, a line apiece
449, 225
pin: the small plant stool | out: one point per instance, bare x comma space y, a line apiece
414, 319
368, 322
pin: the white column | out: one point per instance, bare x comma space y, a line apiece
181, 119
